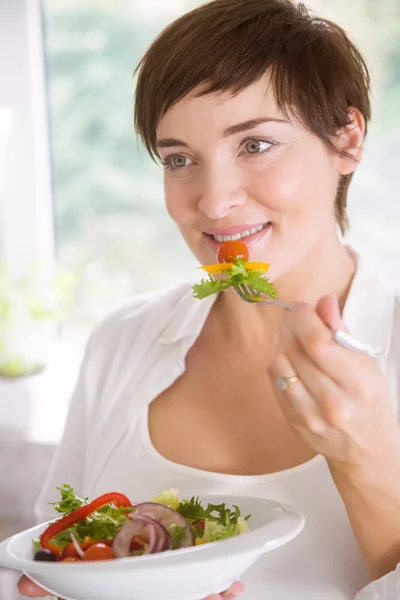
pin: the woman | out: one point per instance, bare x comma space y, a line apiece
258, 113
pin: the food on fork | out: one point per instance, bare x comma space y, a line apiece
111, 527
237, 271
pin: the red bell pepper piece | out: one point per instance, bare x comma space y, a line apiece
199, 524
80, 514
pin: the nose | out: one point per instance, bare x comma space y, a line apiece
221, 193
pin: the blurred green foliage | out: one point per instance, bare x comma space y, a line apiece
108, 194
24, 302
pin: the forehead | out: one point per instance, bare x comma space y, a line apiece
217, 111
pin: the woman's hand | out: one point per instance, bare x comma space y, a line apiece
340, 405
26, 587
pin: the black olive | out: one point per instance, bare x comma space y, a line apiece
45, 556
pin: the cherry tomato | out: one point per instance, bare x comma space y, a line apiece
71, 559
70, 550
99, 552
228, 251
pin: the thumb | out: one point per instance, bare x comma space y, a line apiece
329, 312
26, 587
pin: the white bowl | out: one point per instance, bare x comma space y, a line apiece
185, 574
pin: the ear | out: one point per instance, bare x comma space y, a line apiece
350, 140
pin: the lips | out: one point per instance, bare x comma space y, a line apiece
250, 240
240, 235
235, 229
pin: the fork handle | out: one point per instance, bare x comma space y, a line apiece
341, 337
285, 305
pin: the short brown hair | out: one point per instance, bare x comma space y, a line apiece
317, 73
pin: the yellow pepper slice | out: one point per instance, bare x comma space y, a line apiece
249, 266
199, 541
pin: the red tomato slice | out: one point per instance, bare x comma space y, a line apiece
99, 552
228, 251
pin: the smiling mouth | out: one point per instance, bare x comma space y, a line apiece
238, 236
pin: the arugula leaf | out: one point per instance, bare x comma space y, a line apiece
237, 275
259, 282
69, 502
210, 286
192, 510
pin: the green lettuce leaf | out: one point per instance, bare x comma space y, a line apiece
237, 275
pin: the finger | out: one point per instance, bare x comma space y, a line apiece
328, 311
336, 362
297, 405
26, 587
331, 401
234, 591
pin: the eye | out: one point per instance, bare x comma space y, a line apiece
176, 162
257, 146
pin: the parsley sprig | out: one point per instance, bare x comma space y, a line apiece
236, 275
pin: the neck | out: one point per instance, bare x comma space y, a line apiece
326, 269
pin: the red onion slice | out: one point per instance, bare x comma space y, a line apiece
164, 538
168, 517
77, 547
143, 525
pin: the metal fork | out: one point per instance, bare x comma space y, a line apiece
346, 340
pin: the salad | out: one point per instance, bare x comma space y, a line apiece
111, 527
234, 266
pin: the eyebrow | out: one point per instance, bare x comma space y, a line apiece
240, 127
233, 130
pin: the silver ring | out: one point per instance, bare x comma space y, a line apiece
284, 382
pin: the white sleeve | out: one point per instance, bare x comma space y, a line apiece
386, 588
68, 463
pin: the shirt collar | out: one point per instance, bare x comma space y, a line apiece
369, 310
187, 318
368, 313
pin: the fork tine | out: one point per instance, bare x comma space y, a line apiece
252, 292
244, 291
249, 294
240, 292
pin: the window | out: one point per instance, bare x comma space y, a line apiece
111, 226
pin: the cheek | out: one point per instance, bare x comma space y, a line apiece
177, 202
296, 185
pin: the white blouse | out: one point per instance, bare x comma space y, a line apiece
137, 353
